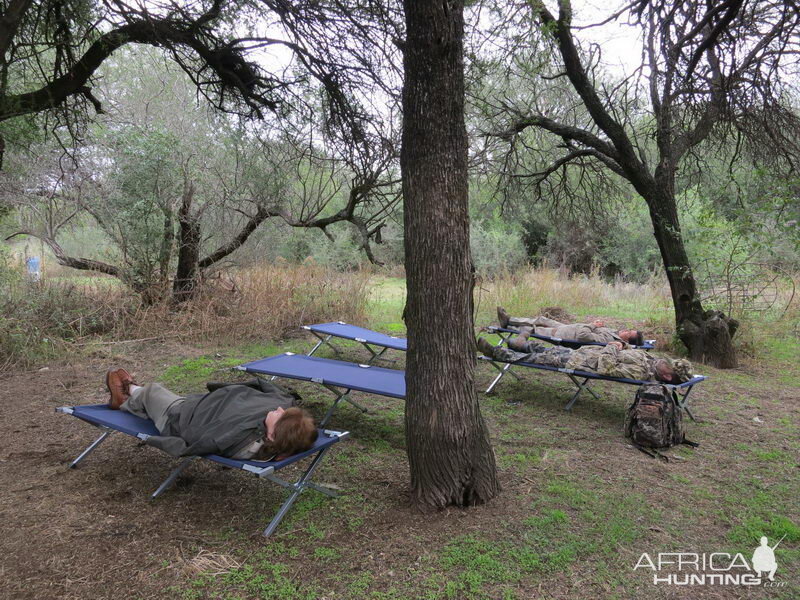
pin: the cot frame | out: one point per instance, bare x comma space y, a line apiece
267, 472
576, 376
324, 339
340, 392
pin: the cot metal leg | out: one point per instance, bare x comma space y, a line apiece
581, 386
503, 370
297, 487
322, 489
91, 447
173, 476
322, 340
339, 397
504, 337
683, 402
376, 355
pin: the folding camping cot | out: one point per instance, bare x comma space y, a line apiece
369, 338
337, 376
505, 333
575, 376
110, 421
366, 337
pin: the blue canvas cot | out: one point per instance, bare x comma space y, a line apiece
682, 390
366, 337
337, 376
507, 332
110, 421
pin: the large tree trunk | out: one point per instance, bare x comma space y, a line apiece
183, 287
708, 335
450, 456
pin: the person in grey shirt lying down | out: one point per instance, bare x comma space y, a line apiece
256, 420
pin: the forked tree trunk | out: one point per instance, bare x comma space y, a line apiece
708, 335
450, 456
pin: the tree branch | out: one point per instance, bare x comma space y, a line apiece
262, 214
231, 69
565, 131
560, 31
84, 264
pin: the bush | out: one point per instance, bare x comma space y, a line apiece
496, 249
40, 320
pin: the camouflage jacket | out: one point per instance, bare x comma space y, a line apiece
613, 362
586, 332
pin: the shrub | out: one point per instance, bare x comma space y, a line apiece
496, 249
40, 320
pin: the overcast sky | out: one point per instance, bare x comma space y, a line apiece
620, 43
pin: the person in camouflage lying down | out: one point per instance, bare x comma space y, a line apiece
611, 360
596, 331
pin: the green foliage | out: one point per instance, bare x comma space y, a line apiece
496, 248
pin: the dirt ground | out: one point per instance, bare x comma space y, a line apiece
92, 532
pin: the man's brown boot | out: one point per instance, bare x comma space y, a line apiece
485, 346
519, 343
502, 317
127, 381
117, 387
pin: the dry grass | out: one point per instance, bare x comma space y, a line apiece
260, 303
211, 563
528, 292
41, 320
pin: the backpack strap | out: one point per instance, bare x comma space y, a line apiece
651, 452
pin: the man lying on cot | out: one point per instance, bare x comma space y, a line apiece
250, 421
611, 360
596, 331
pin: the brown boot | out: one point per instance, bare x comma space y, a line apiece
117, 382
127, 381
519, 342
502, 317
485, 347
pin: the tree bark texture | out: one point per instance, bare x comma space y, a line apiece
183, 287
708, 334
450, 455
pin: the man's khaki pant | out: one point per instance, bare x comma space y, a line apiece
153, 402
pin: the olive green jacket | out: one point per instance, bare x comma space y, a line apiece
223, 421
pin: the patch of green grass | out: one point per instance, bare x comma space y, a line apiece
784, 349
386, 303
191, 374
267, 580
358, 587
750, 529
475, 562
772, 456
326, 554
680, 478
521, 460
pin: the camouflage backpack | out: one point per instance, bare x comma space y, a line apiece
654, 419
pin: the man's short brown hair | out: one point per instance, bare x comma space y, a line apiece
294, 432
